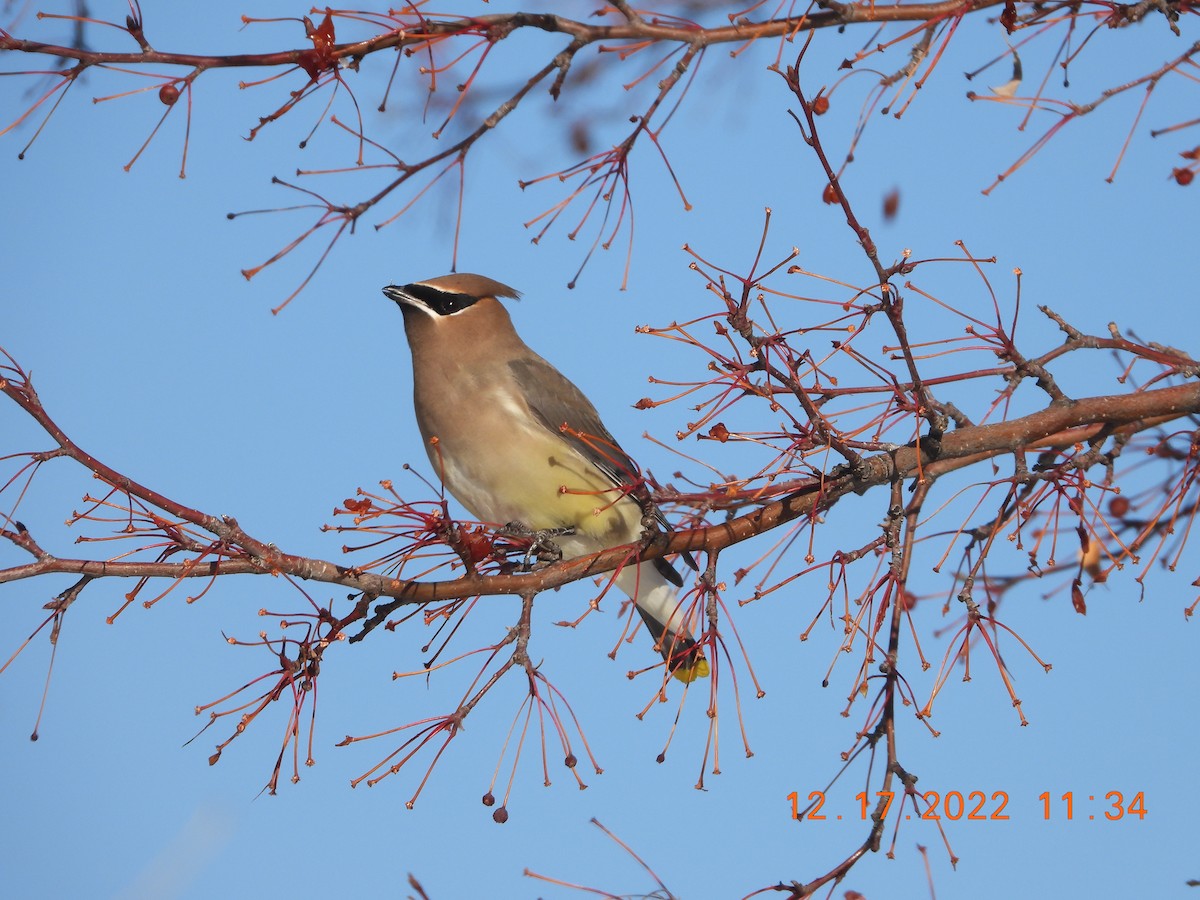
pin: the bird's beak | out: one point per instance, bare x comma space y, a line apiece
397, 294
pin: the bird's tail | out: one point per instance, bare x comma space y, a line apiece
658, 602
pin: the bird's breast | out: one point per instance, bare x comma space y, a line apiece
505, 467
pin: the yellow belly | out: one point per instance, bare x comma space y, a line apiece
541, 482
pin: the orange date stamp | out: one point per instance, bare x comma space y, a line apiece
977, 806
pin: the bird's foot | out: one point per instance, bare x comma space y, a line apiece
543, 549
653, 530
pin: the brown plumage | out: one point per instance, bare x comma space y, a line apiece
516, 442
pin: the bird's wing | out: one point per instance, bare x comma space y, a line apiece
555, 402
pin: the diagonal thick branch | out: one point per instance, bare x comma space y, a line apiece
1060, 425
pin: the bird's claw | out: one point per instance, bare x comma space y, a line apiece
543, 549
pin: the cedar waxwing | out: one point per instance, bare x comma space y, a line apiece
518, 444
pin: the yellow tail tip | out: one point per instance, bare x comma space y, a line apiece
688, 673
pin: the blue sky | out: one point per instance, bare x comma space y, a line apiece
122, 296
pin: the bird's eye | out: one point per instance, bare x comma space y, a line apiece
452, 303
443, 303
